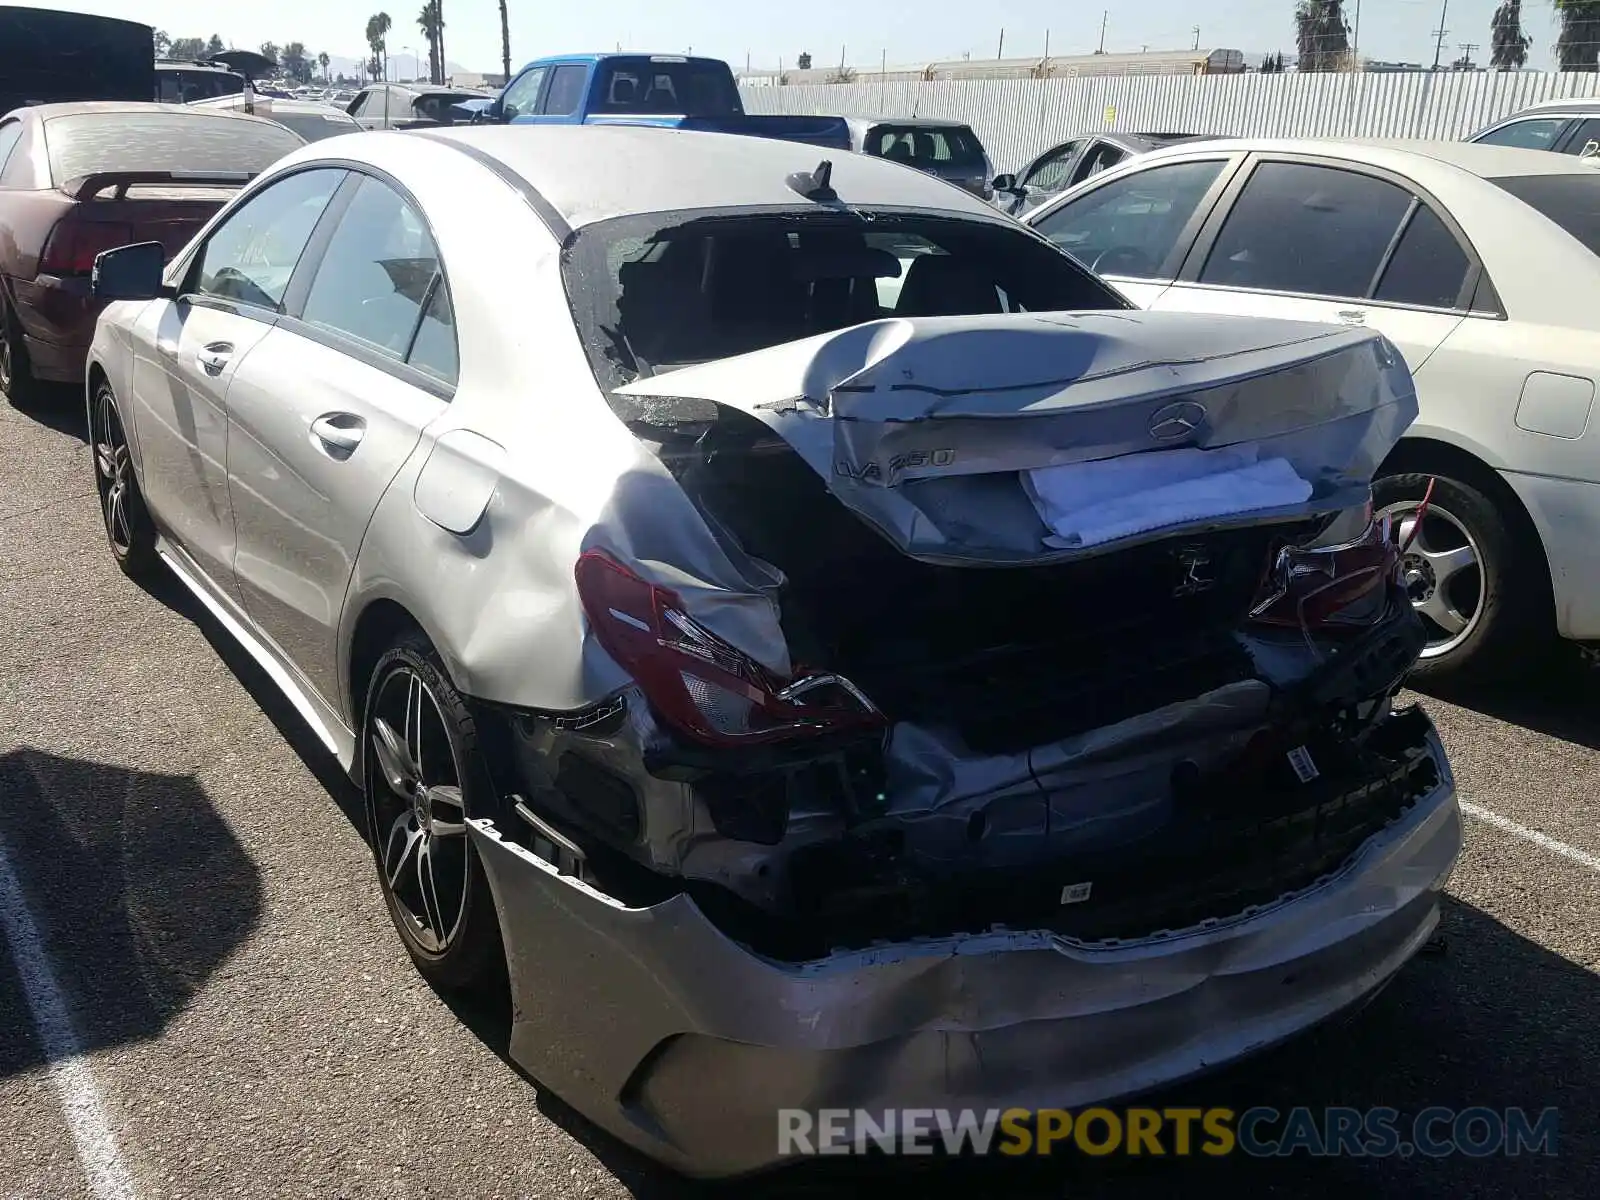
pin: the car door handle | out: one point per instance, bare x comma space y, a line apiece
339, 432
214, 359
1353, 316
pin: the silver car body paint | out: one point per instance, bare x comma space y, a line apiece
474, 513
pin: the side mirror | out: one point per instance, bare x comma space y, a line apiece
1005, 183
130, 272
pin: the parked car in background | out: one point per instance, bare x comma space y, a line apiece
50, 57
76, 179
670, 90
1073, 161
183, 82
1482, 263
1563, 126
312, 120
949, 150
406, 106
788, 690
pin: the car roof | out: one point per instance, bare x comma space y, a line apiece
1475, 158
189, 64
909, 122
589, 58
589, 173
1566, 104
272, 105
123, 108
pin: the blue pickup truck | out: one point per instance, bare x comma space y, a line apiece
643, 89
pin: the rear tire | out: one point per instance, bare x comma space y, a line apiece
1469, 579
16, 371
423, 775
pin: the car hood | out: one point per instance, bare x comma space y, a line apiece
930, 428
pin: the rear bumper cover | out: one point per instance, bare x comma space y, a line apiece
683, 1044
58, 317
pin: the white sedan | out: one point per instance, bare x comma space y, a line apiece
1480, 263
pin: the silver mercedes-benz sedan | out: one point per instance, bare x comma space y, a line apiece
814, 640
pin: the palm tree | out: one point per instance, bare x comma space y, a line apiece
322, 61
1508, 45
505, 41
378, 26
428, 22
1322, 35
1578, 45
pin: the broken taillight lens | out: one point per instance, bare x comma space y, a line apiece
697, 682
1340, 580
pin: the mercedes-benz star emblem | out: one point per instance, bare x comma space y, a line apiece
1177, 420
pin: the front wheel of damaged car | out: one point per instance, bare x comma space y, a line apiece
423, 776
1472, 585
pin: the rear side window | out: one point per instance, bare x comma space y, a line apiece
1318, 231
89, 143
921, 147
380, 281
1131, 225
1428, 267
1534, 134
1049, 174
1585, 138
1571, 201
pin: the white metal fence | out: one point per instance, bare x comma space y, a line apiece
1017, 118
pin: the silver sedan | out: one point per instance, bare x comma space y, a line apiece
808, 632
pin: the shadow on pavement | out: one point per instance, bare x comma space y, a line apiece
1560, 698
137, 887
60, 407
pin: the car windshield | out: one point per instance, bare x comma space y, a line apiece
666, 87
90, 143
926, 147
667, 290
1571, 201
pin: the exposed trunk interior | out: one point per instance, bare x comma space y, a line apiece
1010, 658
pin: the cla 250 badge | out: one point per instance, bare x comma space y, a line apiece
911, 460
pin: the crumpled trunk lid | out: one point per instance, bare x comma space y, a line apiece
931, 428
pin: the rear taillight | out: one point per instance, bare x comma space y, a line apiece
73, 244
698, 683
1338, 582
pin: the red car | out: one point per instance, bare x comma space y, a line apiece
76, 179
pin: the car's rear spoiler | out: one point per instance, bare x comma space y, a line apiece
87, 187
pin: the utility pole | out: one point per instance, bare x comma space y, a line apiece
1047, 44
1439, 34
1001, 53
1466, 49
1105, 16
1197, 37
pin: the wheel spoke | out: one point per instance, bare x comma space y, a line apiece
1408, 525
432, 913
414, 724
1448, 563
399, 772
401, 829
1438, 609
117, 516
104, 462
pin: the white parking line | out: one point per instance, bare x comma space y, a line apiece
69, 1070
1545, 842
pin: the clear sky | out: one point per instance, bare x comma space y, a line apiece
910, 32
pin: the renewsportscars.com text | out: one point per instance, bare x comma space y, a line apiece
1215, 1132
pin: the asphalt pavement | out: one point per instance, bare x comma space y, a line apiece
235, 1016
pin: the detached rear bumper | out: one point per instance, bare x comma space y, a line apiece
682, 1043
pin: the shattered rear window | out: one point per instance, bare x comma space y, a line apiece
657, 292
